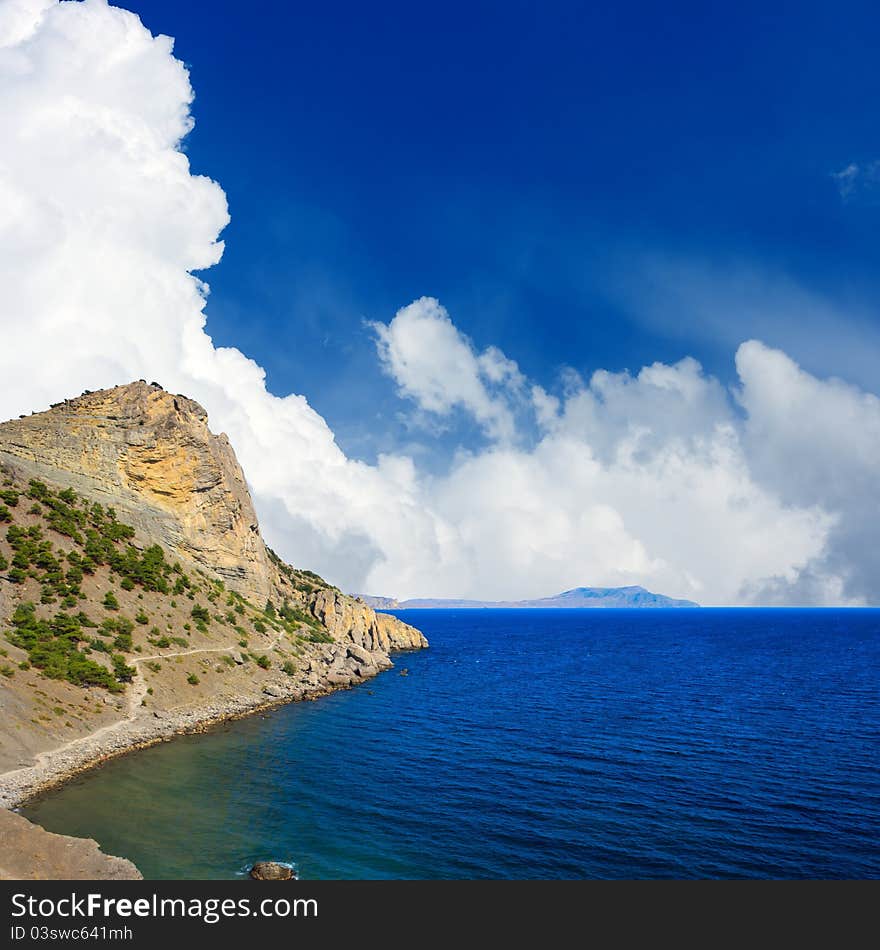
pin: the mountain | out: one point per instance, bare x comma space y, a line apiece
578, 597
137, 596
380, 603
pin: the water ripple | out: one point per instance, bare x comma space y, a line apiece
548, 744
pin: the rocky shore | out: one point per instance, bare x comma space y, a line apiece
29, 853
337, 666
138, 600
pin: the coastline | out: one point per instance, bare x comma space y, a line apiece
55, 767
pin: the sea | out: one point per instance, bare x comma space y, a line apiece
605, 743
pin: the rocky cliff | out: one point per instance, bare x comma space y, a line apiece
137, 597
151, 455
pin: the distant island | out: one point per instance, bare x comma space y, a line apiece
576, 598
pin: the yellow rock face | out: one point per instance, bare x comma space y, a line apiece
345, 617
151, 455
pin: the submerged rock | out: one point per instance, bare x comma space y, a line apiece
272, 871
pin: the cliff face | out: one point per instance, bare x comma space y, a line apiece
345, 616
151, 455
137, 597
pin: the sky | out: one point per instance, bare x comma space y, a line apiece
493, 300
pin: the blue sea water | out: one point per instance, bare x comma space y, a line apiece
534, 744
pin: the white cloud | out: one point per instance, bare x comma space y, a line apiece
720, 302
435, 365
817, 442
857, 178
19, 19
846, 179
657, 478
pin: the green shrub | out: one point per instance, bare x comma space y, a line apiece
110, 601
74, 575
264, 662
319, 636
53, 648
123, 672
193, 680
123, 643
289, 667
38, 490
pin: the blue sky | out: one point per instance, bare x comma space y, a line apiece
514, 297
591, 185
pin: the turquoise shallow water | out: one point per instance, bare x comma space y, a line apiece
653, 743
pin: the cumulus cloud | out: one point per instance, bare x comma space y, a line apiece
435, 365
661, 478
102, 224
817, 443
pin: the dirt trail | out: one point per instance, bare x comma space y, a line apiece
135, 695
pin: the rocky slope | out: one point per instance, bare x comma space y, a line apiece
27, 852
137, 597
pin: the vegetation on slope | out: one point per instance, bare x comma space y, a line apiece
63, 642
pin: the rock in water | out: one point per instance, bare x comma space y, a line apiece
272, 871
144, 464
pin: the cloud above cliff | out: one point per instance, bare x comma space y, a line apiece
662, 477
